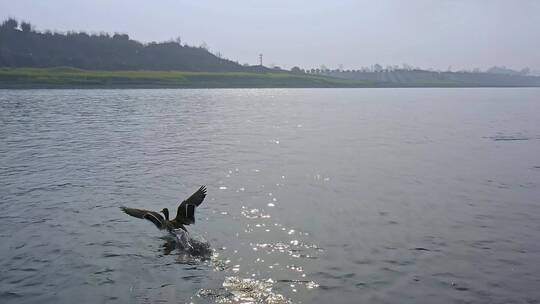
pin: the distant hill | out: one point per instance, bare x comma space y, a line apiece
20, 46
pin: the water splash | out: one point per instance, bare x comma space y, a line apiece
183, 239
241, 290
191, 249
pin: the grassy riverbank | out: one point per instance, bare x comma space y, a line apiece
67, 77
76, 78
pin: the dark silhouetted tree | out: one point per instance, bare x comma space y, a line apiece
118, 36
10, 24
26, 27
297, 70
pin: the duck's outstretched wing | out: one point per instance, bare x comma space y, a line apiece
186, 210
152, 216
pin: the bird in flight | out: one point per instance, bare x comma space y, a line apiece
185, 214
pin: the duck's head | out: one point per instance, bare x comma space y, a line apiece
165, 211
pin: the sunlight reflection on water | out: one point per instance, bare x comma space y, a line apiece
314, 196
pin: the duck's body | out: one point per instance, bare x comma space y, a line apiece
185, 214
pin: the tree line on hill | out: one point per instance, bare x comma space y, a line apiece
423, 77
408, 75
22, 46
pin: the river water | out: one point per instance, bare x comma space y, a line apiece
314, 195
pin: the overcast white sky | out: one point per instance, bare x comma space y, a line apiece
308, 33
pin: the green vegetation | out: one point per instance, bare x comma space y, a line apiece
67, 77
71, 77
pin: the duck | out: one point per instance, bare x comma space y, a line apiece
185, 215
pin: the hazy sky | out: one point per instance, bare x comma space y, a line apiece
308, 33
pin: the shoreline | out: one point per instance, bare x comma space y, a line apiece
72, 78
143, 87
